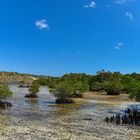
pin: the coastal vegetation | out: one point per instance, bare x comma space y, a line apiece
75, 84
33, 89
63, 92
67, 87
23, 84
5, 93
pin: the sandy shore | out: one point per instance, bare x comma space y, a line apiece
102, 97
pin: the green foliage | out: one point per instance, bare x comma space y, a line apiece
74, 83
113, 87
80, 81
128, 82
97, 86
78, 77
63, 90
34, 88
131, 85
22, 83
5, 91
134, 90
102, 76
51, 82
80, 87
42, 81
106, 81
135, 76
67, 88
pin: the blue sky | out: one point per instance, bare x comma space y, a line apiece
54, 37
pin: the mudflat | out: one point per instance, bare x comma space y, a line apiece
41, 119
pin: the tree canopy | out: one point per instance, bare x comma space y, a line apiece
110, 82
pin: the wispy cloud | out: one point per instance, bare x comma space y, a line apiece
123, 1
42, 24
91, 5
119, 45
129, 15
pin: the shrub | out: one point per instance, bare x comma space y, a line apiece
34, 88
22, 84
134, 91
113, 87
5, 92
64, 90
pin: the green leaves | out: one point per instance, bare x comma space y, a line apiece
106, 81
67, 88
110, 82
34, 88
5, 91
64, 90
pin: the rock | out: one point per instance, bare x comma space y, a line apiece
5, 104
31, 96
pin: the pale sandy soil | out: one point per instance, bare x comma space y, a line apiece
102, 97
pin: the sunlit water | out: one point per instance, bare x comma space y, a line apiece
41, 119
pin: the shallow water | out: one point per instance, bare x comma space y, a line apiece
41, 119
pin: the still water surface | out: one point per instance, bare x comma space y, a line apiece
41, 119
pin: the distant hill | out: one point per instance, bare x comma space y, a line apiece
14, 77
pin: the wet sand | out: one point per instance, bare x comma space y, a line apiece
102, 97
41, 119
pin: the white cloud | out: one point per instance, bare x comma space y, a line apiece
123, 1
91, 5
42, 24
129, 15
119, 46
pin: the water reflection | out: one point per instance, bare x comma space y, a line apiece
68, 109
41, 108
32, 101
42, 119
